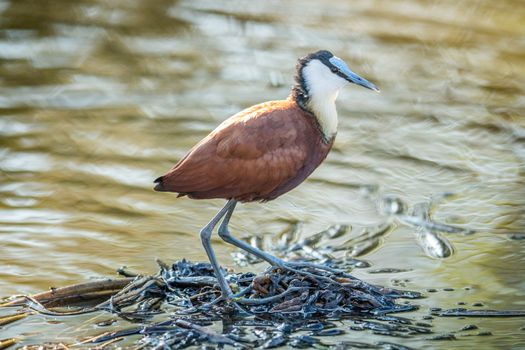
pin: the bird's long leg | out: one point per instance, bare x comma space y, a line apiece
225, 234
205, 234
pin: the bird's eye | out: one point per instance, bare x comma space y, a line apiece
334, 70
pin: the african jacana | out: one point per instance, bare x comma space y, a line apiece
264, 151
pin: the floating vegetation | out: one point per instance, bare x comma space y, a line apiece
287, 295
178, 308
280, 307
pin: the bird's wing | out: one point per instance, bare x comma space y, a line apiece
246, 157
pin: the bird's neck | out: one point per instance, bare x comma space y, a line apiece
320, 103
323, 107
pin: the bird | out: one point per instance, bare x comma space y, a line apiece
264, 151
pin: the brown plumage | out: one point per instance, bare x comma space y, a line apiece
255, 155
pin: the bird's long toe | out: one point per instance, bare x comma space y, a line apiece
312, 270
234, 300
321, 267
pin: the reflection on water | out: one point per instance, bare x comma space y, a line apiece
98, 98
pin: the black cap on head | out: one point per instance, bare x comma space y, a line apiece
321, 55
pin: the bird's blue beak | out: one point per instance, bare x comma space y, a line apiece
345, 72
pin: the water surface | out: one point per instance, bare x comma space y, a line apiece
97, 98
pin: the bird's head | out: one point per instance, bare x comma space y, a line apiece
319, 77
322, 72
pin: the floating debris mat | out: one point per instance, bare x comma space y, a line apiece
275, 308
279, 294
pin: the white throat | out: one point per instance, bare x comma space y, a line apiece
323, 87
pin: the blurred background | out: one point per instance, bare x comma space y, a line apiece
99, 97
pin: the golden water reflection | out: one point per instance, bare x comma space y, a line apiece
97, 98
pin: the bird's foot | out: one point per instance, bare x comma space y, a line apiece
306, 264
235, 300
242, 304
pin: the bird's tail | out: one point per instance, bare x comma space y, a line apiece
159, 185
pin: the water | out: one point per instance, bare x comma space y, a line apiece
97, 98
